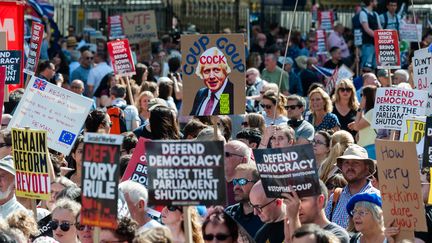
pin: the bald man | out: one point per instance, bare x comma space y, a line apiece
272, 213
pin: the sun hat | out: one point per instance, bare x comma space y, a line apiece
356, 152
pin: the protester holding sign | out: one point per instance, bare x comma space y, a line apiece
8, 201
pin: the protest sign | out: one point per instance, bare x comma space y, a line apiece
140, 25
331, 81
31, 159
293, 166
325, 20
200, 54
400, 185
45, 106
2, 87
12, 61
423, 74
344, 72
413, 130
121, 58
137, 166
115, 27
411, 32
321, 40
393, 104
387, 49
358, 37
186, 173
37, 32
100, 179
427, 151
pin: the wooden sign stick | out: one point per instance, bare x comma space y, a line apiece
187, 223
131, 98
3, 46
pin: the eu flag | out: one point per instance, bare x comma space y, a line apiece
67, 137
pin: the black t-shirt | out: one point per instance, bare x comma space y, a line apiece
338, 231
332, 65
251, 222
271, 233
426, 236
345, 120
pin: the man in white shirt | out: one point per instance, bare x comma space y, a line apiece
8, 201
97, 73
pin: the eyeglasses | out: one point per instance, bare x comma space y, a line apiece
228, 154
268, 107
292, 107
260, 208
89, 58
174, 208
359, 212
82, 227
64, 226
220, 236
345, 89
318, 142
245, 124
241, 181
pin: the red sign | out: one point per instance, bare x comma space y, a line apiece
325, 20
35, 46
121, 57
387, 49
137, 166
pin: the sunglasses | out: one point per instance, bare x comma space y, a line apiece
292, 107
174, 208
228, 154
65, 226
245, 124
268, 107
82, 227
220, 237
89, 58
241, 181
345, 89
260, 208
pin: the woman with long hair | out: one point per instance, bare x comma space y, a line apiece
98, 121
219, 227
321, 107
254, 120
321, 146
274, 108
77, 159
142, 105
363, 120
345, 104
172, 217
163, 123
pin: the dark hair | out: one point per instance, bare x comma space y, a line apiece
218, 216
165, 89
253, 135
323, 190
335, 181
314, 86
7, 137
129, 141
369, 92
94, 120
321, 236
124, 161
126, 229
118, 91
226, 124
192, 128
326, 136
80, 139
163, 123
391, 1
174, 64
14, 99
140, 69
367, 2
333, 49
71, 192
43, 65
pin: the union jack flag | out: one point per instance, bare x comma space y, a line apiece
40, 84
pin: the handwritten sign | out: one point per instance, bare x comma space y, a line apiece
281, 167
140, 25
121, 58
12, 61
100, 179
37, 32
411, 32
387, 49
392, 105
30, 153
413, 130
186, 173
137, 166
321, 41
45, 106
400, 185
422, 63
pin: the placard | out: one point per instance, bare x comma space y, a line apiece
2, 88
115, 27
325, 20
427, 151
321, 40
422, 70
214, 91
12, 61
358, 37
121, 58
293, 166
31, 159
100, 177
400, 185
186, 173
37, 32
411, 32
140, 25
387, 49
136, 169
413, 130
45, 106
344, 72
393, 104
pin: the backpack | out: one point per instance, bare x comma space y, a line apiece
118, 119
336, 195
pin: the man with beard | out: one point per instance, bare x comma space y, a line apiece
356, 168
218, 96
8, 201
245, 177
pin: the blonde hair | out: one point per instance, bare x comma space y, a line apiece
138, 101
328, 106
340, 140
24, 223
68, 204
353, 103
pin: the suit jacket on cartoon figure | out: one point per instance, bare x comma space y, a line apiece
202, 94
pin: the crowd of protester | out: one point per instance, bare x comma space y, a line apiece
299, 110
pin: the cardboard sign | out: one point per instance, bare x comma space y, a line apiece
45, 106
200, 54
121, 58
413, 130
37, 32
422, 70
186, 173
137, 166
358, 37
115, 27
393, 104
427, 151
411, 32
387, 49
140, 25
321, 40
325, 20
12, 61
31, 158
100, 179
294, 166
400, 185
